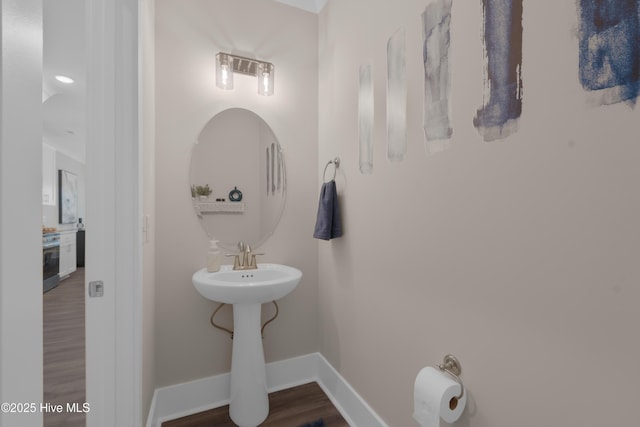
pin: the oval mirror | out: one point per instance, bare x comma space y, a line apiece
238, 179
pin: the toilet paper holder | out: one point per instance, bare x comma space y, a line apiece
452, 366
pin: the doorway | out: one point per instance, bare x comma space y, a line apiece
64, 146
109, 137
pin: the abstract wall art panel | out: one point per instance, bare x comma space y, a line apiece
609, 45
396, 96
502, 99
436, 22
68, 197
365, 119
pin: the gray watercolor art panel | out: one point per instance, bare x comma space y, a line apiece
365, 119
436, 23
396, 96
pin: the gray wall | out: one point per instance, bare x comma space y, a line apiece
188, 35
519, 256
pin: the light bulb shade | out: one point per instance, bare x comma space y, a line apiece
224, 71
265, 78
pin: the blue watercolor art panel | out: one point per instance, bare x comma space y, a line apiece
503, 70
609, 44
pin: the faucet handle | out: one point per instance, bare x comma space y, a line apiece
236, 260
253, 262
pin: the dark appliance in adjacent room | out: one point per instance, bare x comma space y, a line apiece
50, 260
80, 248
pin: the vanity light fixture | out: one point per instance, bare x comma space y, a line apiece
227, 64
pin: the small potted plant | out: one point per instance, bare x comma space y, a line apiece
203, 191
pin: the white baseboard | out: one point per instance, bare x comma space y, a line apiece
189, 398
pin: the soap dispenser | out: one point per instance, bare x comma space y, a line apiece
214, 258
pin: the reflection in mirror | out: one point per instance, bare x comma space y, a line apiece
238, 179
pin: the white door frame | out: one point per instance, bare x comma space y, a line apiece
114, 235
114, 241
21, 211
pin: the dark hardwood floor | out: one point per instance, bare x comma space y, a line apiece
64, 350
293, 407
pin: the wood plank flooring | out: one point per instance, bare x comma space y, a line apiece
292, 407
64, 373
64, 350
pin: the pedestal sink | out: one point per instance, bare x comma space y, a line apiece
247, 290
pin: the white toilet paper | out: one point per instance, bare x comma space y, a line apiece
435, 396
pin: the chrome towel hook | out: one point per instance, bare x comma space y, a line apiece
336, 164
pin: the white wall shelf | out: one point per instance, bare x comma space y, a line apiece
218, 207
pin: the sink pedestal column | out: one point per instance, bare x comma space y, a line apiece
249, 404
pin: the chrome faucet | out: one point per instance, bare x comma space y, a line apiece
248, 258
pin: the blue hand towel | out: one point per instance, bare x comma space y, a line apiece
328, 223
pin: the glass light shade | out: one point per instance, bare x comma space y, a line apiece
265, 78
64, 79
224, 71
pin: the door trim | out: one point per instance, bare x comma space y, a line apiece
113, 241
21, 210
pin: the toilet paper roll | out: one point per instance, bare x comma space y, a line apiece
435, 396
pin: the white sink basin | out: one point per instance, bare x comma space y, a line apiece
267, 283
247, 290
